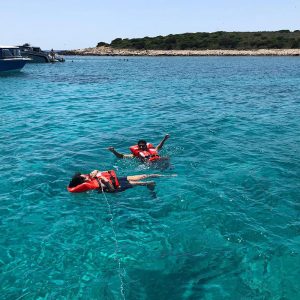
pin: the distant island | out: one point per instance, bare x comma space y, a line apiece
282, 42
283, 39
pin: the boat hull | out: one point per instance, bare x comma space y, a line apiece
36, 58
13, 64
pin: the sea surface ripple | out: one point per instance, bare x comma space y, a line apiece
227, 227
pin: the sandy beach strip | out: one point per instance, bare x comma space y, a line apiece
108, 51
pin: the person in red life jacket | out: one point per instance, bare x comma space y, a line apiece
107, 181
143, 150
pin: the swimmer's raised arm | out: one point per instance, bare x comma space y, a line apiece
160, 145
118, 154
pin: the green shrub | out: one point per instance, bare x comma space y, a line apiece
214, 40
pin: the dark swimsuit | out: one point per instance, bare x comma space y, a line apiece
124, 184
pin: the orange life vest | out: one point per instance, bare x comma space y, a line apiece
150, 154
95, 183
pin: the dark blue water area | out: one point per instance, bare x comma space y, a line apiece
227, 227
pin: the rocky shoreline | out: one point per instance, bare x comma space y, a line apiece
108, 51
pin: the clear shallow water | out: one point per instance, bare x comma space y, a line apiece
227, 227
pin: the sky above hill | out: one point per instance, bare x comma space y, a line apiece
72, 24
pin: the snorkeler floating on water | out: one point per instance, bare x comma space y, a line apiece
107, 181
144, 151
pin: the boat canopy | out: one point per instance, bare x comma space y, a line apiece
9, 52
9, 47
28, 47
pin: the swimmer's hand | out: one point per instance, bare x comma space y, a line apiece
94, 173
103, 179
167, 136
107, 184
111, 149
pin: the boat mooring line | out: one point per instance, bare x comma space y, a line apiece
111, 221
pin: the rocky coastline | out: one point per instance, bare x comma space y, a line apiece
108, 51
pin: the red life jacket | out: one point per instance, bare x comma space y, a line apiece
111, 176
150, 154
94, 183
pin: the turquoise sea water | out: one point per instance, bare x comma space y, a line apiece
227, 227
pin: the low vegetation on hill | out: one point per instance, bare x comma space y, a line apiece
282, 39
